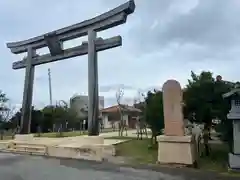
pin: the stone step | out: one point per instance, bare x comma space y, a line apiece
20, 151
28, 145
21, 147
29, 148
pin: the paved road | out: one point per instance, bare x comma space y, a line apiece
20, 167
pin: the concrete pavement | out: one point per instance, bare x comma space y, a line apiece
23, 167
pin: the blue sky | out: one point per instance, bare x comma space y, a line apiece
163, 39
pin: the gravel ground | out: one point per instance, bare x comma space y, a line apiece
24, 167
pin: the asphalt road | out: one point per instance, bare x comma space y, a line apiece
21, 167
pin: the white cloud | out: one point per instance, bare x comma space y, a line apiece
163, 39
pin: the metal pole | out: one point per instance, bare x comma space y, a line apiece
93, 102
28, 93
50, 85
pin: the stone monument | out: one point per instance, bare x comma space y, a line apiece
54, 41
174, 147
234, 116
172, 105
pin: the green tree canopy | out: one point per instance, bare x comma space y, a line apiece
154, 112
4, 109
203, 98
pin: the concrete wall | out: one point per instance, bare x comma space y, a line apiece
108, 124
236, 136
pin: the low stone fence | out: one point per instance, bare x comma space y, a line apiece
82, 147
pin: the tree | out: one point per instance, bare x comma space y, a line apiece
122, 124
15, 120
198, 97
5, 112
36, 120
154, 113
69, 115
203, 99
48, 118
3, 106
141, 119
59, 116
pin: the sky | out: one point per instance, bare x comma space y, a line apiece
162, 39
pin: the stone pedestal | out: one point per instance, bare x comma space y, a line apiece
234, 161
176, 150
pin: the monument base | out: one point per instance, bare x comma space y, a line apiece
176, 150
234, 161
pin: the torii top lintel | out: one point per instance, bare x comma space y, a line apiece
114, 17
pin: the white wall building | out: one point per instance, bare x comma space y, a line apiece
111, 116
79, 103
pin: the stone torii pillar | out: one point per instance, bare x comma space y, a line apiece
93, 96
27, 93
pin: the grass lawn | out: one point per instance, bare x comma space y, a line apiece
121, 138
7, 137
67, 134
54, 135
137, 152
64, 134
218, 159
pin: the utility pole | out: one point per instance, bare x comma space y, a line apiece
50, 85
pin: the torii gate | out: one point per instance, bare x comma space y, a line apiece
54, 41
